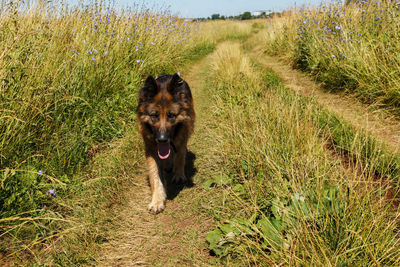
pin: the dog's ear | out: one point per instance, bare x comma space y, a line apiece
149, 90
176, 81
179, 88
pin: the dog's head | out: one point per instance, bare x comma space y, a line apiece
165, 104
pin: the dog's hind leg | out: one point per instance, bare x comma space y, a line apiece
157, 187
179, 165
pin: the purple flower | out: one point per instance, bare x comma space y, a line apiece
94, 50
52, 192
106, 52
40, 172
139, 60
333, 56
93, 59
342, 55
76, 52
338, 27
90, 52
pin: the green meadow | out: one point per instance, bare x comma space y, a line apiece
281, 179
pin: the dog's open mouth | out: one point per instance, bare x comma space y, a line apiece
163, 150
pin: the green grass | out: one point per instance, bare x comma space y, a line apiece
347, 48
68, 97
289, 198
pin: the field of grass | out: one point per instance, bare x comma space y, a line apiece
302, 186
68, 90
286, 182
348, 48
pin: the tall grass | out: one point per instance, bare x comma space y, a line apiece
68, 91
350, 48
68, 82
289, 199
68, 86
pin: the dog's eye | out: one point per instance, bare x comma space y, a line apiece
171, 115
154, 116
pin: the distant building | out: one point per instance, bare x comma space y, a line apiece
261, 12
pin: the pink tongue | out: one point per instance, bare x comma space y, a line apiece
163, 150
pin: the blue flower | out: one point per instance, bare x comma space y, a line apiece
106, 52
139, 60
76, 52
93, 59
338, 27
40, 172
52, 192
90, 52
333, 56
94, 50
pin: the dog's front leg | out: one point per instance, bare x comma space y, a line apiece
179, 165
157, 187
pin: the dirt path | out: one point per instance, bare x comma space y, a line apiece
176, 237
382, 125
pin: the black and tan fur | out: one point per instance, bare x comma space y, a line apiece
165, 114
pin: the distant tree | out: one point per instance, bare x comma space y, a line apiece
222, 17
246, 15
215, 16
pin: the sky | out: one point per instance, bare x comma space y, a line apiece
205, 8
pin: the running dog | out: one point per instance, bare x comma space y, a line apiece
166, 118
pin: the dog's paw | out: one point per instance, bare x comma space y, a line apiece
179, 179
156, 206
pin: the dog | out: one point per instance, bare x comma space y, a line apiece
166, 117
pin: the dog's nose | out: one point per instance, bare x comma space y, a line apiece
162, 137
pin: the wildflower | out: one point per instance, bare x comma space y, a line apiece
333, 56
342, 55
94, 50
40, 172
106, 52
139, 60
151, 43
179, 74
84, 41
90, 52
93, 59
337, 27
52, 192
